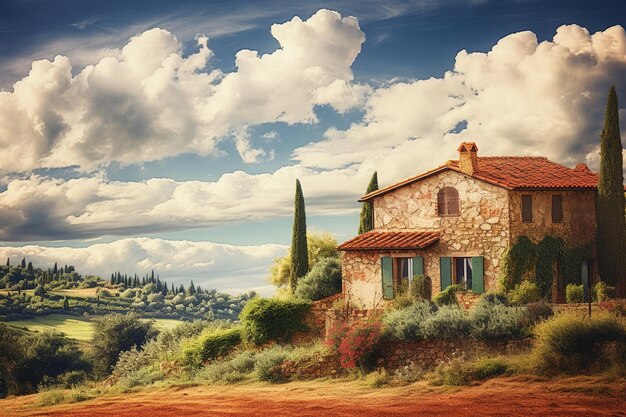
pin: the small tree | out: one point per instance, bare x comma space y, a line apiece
367, 212
322, 281
611, 227
299, 252
114, 334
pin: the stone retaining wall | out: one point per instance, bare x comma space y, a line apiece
392, 355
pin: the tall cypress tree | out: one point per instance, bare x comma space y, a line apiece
611, 227
367, 212
299, 251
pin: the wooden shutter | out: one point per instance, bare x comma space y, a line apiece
527, 208
418, 266
445, 271
387, 277
557, 208
478, 275
448, 202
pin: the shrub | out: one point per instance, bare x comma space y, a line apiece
266, 319
356, 344
525, 292
574, 293
114, 334
377, 378
569, 343
231, 370
43, 358
49, 398
452, 373
447, 296
406, 323
323, 280
536, 312
210, 345
601, 292
496, 321
486, 368
421, 288
268, 362
72, 379
448, 323
493, 298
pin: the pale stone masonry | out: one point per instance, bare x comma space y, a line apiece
472, 241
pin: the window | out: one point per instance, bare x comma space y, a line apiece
557, 208
527, 208
448, 202
463, 272
398, 273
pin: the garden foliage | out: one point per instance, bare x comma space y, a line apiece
266, 319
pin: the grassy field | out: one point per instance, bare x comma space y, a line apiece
77, 328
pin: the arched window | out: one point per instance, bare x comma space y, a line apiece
448, 202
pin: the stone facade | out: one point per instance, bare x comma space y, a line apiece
579, 216
489, 222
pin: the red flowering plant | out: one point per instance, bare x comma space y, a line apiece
354, 344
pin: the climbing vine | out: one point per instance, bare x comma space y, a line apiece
527, 260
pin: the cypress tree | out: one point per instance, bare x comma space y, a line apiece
56, 268
8, 263
611, 227
23, 262
367, 212
299, 251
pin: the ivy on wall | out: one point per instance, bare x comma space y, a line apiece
526, 260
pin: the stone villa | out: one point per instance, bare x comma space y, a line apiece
454, 224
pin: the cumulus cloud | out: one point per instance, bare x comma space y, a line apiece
147, 101
41, 208
226, 268
522, 97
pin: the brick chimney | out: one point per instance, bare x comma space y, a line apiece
468, 157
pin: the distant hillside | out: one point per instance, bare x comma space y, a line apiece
27, 291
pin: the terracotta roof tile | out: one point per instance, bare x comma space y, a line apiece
390, 240
514, 173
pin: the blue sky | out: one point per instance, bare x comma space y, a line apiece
143, 133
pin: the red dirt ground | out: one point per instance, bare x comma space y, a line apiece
517, 396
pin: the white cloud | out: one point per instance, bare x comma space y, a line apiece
147, 101
212, 265
522, 97
40, 208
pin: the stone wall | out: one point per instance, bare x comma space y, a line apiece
579, 222
392, 355
362, 285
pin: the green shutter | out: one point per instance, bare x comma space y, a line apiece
478, 275
445, 271
418, 266
387, 275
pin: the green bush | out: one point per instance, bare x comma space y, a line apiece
266, 319
536, 312
570, 343
496, 321
210, 345
323, 280
525, 292
448, 323
601, 291
486, 368
421, 288
447, 297
231, 370
406, 323
115, 333
493, 298
268, 362
574, 293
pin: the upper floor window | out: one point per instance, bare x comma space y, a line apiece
527, 208
448, 202
557, 208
